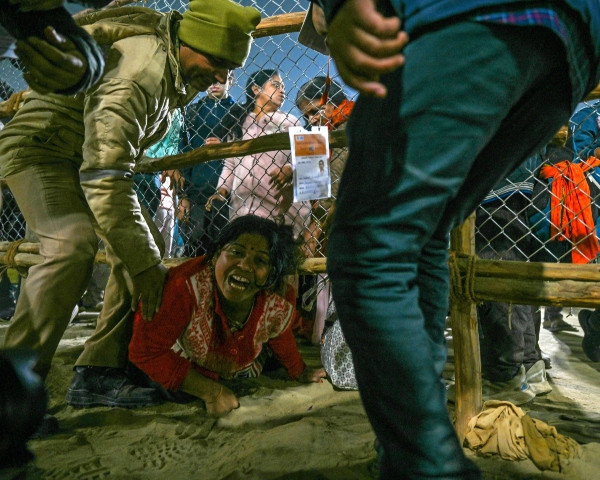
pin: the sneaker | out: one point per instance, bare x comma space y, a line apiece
559, 325
537, 379
109, 387
591, 334
515, 390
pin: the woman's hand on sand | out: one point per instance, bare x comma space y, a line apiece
223, 402
312, 375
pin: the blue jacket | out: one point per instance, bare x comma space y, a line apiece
583, 139
520, 180
584, 131
417, 14
203, 119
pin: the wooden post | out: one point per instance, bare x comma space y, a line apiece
465, 338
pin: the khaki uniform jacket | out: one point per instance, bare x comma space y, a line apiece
105, 130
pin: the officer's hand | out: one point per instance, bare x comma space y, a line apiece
148, 288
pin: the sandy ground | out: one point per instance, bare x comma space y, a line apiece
283, 430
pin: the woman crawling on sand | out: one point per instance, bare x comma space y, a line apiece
221, 318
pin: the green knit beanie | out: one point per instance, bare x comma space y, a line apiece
220, 28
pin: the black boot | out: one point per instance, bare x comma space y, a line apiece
590, 323
109, 387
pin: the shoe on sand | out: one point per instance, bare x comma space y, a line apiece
537, 379
559, 325
108, 387
516, 390
547, 360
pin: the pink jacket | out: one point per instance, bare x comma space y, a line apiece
247, 181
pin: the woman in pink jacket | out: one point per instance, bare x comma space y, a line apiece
260, 184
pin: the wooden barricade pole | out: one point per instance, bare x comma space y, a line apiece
465, 338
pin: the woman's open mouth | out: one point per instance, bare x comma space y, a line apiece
238, 282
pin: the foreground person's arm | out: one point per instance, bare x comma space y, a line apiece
363, 43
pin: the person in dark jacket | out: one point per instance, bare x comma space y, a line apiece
203, 124
432, 132
584, 140
512, 367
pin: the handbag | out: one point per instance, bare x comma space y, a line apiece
337, 358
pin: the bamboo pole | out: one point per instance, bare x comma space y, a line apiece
279, 24
564, 284
207, 153
465, 339
28, 256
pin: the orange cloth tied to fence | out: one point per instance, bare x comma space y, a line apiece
571, 208
341, 113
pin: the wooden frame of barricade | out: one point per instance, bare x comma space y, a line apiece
502, 281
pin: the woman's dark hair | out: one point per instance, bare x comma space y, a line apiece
233, 123
284, 252
313, 90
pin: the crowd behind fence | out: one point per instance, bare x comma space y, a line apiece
547, 210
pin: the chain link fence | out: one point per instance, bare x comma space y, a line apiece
547, 210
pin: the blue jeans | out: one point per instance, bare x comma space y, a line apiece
471, 103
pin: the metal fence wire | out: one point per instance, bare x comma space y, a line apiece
547, 210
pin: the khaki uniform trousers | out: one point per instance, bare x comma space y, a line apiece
54, 206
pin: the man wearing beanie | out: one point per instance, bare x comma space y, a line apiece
69, 162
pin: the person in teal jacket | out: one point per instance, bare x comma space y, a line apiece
436, 125
584, 140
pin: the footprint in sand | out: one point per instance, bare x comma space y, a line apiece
88, 470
